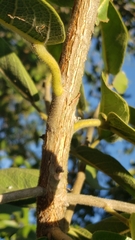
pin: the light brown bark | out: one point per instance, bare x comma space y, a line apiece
51, 208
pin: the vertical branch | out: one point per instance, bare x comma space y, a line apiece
60, 124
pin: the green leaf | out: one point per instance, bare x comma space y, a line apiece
26, 232
91, 178
111, 99
9, 225
132, 115
82, 104
102, 162
114, 40
111, 102
132, 225
77, 232
120, 82
63, 3
36, 20
111, 224
118, 126
15, 73
103, 10
102, 235
17, 178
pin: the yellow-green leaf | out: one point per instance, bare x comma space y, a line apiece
120, 82
14, 72
114, 40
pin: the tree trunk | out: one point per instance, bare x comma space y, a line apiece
60, 125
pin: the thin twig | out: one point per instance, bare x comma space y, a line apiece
77, 187
100, 202
21, 194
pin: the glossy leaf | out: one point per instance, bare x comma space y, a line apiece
37, 21
103, 162
120, 82
114, 40
14, 72
17, 178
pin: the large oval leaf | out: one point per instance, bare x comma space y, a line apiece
33, 20
15, 73
13, 179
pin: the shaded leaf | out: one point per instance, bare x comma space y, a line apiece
132, 115
15, 73
132, 225
111, 224
17, 178
91, 178
120, 82
108, 165
114, 40
37, 21
26, 232
108, 235
82, 104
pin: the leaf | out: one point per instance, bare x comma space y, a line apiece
91, 178
132, 225
9, 225
108, 165
114, 40
103, 10
15, 73
79, 233
37, 21
26, 232
132, 115
13, 179
111, 102
82, 104
63, 3
118, 126
111, 224
120, 82
102, 235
